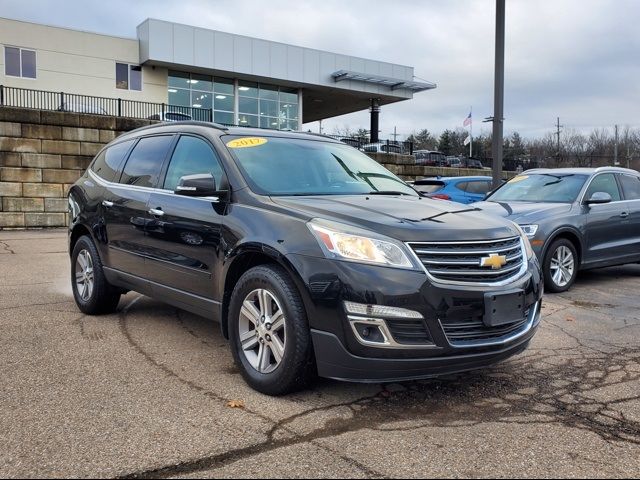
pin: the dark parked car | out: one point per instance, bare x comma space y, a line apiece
576, 219
430, 158
313, 257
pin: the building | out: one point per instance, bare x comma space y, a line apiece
234, 79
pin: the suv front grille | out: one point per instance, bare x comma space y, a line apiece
460, 262
464, 332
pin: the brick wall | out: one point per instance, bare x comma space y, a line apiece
42, 154
405, 167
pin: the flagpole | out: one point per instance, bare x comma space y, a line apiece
471, 135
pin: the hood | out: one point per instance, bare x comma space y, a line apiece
409, 219
524, 212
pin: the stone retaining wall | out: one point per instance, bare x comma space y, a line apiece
405, 167
42, 153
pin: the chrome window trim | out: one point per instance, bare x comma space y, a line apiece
533, 320
105, 183
386, 333
436, 281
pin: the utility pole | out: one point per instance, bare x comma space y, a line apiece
558, 127
395, 134
498, 95
615, 150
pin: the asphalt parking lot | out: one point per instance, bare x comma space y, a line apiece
147, 392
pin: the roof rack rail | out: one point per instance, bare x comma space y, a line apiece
217, 126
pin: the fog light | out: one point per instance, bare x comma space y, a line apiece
380, 311
369, 333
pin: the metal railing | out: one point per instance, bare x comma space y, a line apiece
116, 107
382, 146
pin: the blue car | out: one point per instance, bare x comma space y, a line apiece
456, 189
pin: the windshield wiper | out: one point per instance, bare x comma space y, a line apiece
388, 192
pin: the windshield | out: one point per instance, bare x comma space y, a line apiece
287, 166
541, 187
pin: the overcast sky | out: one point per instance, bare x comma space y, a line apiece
576, 59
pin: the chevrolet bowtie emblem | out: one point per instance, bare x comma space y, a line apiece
495, 261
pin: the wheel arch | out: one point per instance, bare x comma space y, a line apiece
77, 231
245, 258
569, 234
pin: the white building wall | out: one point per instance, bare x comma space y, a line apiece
78, 62
182, 45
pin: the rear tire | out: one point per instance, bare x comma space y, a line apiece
91, 290
269, 332
560, 266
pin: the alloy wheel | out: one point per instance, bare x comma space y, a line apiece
262, 331
562, 266
84, 275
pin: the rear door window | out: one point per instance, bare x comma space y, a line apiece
606, 183
146, 160
107, 164
630, 187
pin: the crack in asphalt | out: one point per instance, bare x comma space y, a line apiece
5, 246
234, 455
547, 386
46, 304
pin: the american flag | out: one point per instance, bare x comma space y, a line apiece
467, 121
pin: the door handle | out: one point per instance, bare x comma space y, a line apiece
624, 214
157, 212
107, 204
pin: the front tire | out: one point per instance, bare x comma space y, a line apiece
91, 290
560, 266
269, 332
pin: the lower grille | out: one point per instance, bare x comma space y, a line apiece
468, 331
409, 332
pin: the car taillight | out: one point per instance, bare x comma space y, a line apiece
441, 196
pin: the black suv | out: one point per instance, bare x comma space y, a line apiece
313, 257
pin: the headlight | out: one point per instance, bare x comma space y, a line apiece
350, 243
525, 239
529, 230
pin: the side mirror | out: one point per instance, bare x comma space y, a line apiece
201, 185
599, 198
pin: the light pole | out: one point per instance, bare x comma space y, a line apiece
498, 96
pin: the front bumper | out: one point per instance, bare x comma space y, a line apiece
446, 310
334, 361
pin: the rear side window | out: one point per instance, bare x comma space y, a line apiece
145, 162
192, 156
108, 162
605, 182
479, 188
630, 187
462, 186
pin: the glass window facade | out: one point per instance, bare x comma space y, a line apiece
195, 92
259, 105
267, 106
